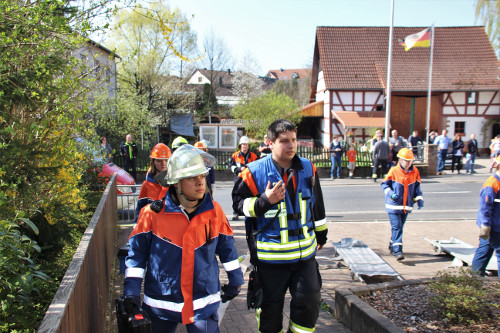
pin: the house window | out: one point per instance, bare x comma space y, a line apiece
459, 127
200, 79
472, 97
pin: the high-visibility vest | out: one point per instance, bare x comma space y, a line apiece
290, 237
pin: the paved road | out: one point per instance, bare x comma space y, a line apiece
447, 198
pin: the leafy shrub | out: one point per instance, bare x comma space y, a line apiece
18, 272
459, 297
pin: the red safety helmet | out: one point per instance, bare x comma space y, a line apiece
406, 154
160, 152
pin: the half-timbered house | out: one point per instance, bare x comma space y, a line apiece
349, 77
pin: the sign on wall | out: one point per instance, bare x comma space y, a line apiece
211, 134
227, 137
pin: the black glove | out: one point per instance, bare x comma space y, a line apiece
130, 303
229, 292
321, 237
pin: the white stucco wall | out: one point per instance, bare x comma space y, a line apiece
195, 78
101, 66
473, 125
471, 114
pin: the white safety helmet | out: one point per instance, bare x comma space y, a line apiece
244, 139
186, 162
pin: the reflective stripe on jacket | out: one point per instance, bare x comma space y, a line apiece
489, 204
177, 258
407, 188
290, 238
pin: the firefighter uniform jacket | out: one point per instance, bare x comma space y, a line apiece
176, 256
150, 191
239, 159
287, 232
407, 188
489, 204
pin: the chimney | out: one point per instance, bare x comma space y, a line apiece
229, 71
282, 70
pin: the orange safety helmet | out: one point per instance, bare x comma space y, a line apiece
160, 152
406, 154
200, 145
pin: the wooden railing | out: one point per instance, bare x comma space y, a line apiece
81, 303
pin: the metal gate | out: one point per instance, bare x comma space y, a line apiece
126, 202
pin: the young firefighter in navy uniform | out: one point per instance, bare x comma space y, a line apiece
174, 249
281, 199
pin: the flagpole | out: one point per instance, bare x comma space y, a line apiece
388, 87
427, 125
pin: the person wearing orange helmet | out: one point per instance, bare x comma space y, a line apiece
402, 189
151, 190
203, 146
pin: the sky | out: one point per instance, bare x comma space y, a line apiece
281, 33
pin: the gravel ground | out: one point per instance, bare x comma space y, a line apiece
408, 308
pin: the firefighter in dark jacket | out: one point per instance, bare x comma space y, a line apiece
239, 161
128, 149
281, 199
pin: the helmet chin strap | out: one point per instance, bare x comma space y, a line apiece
187, 202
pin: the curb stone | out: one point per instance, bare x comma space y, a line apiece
360, 317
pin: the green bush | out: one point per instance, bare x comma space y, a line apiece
18, 272
459, 297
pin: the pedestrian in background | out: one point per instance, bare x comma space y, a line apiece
106, 150
239, 162
442, 141
336, 157
351, 161
398, 143
285, 224
494, 149
472, 152
432, 137
402, 189
488, 221
381, 153
457, 153
174, 250
413, 141
128, 150
264, 147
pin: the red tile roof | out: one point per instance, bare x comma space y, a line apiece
356, 58
354, 119
287, 74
